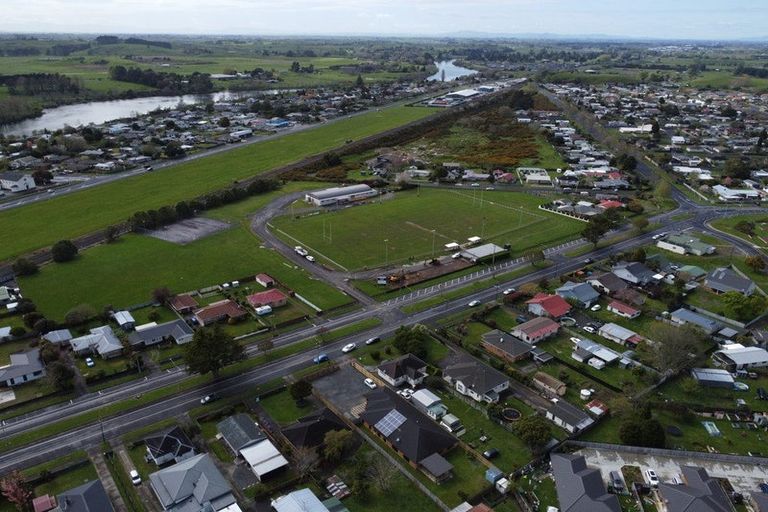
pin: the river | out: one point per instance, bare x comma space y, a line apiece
451, 70
98, 112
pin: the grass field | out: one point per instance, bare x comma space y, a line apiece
760, 238
357, 235
43, 223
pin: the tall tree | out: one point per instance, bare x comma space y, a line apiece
335, 443
210, 350
63, 250
534, 431
17, 491
61, 376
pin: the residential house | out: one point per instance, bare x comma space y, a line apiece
58, 337
699, 493
553, 306
723, 280
407, 430
310, 431
633, 272
536, 329
273, 298
265, 280
684, 316
194, 484
548, 384
302, 500
623, 310
152, 333
183, 304
568, 417
239, 431
247, 440
406, 369
713, 378
16, 181
620, 335
729, 195
581, 293
171, 445
89, 497
474, 379
101, 340
738, 357
691, 272
429, 403
264, 459
580, 488
584, 350
680, 243
7, 295
607, 283
505, 346
222, 310
24, 367
124, 320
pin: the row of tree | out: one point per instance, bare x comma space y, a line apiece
40, 84
196, 83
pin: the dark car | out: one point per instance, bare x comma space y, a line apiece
491, 453
761, 394
320, 358
589, 261
763, 487
522, 319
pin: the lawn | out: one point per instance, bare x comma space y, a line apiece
548, 157
284, 409
71, 215
760, 238
412, 224
232, 254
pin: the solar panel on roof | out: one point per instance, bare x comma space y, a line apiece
390, 422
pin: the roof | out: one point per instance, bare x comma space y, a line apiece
477, 376
579, 488
263, 457
616, 331
725, 280
173, 441
712, 375
332, 192
579, 291
744, 355
183, 302
266, 297
311, 430
239, 431
482, 251
597, 350
410, 431
13, 176
22, 363
436, 465
123, 317
700, 493
554, 305
623, 308
102, 339
43, 503
405, 365
90, 497
188, 485
506, 343
570, 414
425, 397
688, 242
639, 270
687, 316
219, 309
303, 500
264, 278
760, 499
610, 281
539, 326
58, 336
175, 329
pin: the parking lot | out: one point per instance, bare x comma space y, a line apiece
344, 389
743, 477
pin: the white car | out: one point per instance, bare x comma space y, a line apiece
310, 258
406, 393
370, 383
652, 478
135, 477
508, 291
474, 303
574, 339
596, 307
89, 362
349, 347
589, 328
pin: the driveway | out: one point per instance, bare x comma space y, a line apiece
344, 389
743, 477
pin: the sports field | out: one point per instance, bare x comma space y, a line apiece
397, 229
42, 224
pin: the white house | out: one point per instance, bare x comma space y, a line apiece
24, 367
16, 181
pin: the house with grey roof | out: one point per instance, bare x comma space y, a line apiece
581, 293
568, 416
699, 493
723, 280
607, 283
24, 367
101, 340
684, 316
239, 431
506, 346
58, 337
89, 497
150, 334
738, 357
474, 379
172, 445
193, 485
713, 377
16, 181
681, 243
406, 369
302, 500
580, 488
633, 272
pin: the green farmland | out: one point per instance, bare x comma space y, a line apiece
354, 238
45, 222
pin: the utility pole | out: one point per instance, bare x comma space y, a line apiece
433, 244
386, 252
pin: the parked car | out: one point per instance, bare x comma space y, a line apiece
474, 303
651, 477
135, 477
763, 487
740, 386
370, 383
89, 362
588, 261
521, 319
371, 341
320, 358
491, 453
596, 307
349, 347
209, 398
574, 339
406, 393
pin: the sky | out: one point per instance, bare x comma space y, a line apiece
664, 19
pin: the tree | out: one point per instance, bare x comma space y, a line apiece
24, 267
161, 295
42, 177
534, 431
16, 490
593, 233
382, 472
640, 223
676, 348
63, 250
755, 262
635, 206
360, 83
735, 167
411, 340
174, 150
300, 390
638, 430
663, 190
745, 307
111, 234
79, 314
335, 443
638, 255
534, 256
49, 352
305, 460
210, 350
746, 227
224, 122
61, 376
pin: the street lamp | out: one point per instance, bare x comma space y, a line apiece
433, 244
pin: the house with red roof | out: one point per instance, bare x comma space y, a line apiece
623, 310
265, 280
273, 298
183, 304
222, 310
607, 204
543, 304
533, 331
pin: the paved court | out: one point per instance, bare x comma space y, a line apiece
189, 230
